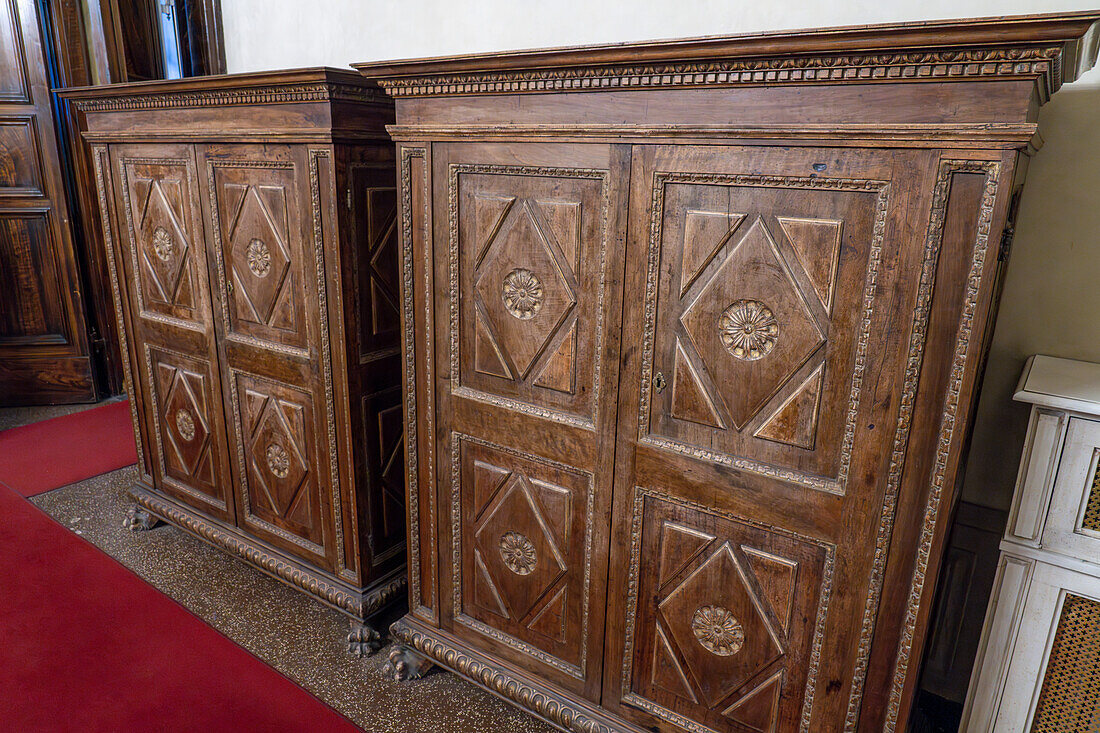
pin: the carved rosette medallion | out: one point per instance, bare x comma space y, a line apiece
717, 630
522, 293
185, 425
163, 244
748, 329
259, 258
278, 462
518, 553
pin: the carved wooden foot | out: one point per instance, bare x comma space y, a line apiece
406, 664
138, 519
363, 640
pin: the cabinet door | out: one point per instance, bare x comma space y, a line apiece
1073, 522
164, 258
763, 420
265, 261
527, 311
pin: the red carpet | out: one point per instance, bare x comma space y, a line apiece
52, 453
86, 645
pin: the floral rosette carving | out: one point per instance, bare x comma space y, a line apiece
518, 553
163, 244
748, 329
522, 293
717, 630
258, 257
185, 425
278, 462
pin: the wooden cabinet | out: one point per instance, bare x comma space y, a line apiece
1038, 665
252, 236
692, 338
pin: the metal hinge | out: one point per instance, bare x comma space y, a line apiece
349, 199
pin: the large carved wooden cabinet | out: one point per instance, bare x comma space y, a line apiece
692, 337
250, 222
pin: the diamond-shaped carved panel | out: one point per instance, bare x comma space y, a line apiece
750, 324
727, 613
526, 263
184, 419
717, 622
258, 255
278, 457
525, 553
523, 289
515, 544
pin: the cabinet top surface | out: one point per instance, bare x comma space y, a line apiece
1060, 383
1052, 48
289, 85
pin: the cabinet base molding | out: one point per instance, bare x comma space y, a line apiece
540, 699
388, 590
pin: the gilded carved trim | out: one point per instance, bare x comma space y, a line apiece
335, 482
829, 485
100, 162
316, 92
555, 708
948, 423
456, 169
354, 604
987, 63
640, 495
914, 361
578, 670
408, 346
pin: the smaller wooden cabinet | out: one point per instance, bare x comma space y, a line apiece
251, 228
1038, 666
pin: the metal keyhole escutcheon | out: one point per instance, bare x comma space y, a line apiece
659, 382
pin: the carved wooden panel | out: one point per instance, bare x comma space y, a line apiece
728, 617
384, 450
264, 266
762, 299
20, 158
31, 308
14, 84
276, 432
530, 263
182, 399
379, 288
523, 550
166, 256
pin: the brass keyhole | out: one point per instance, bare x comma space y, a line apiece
659, 382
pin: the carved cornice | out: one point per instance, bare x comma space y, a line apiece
988, 63
541, 701
359, 605
276, 94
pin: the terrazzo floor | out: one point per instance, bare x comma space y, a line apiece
297, 636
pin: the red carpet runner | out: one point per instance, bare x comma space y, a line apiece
86, 645
52, 453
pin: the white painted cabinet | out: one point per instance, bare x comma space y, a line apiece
1038, 665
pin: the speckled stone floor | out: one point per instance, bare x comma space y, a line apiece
297, 636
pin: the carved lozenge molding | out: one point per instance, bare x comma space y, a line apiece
985, 63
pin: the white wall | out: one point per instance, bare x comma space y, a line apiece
1051, 301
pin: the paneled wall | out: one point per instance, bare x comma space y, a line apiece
1051, 302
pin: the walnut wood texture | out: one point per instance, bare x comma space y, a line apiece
692, 337
44, 350
253, 250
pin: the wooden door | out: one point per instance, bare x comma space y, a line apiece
163, 262
527, 323
44, 351
265, 264
759, 428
